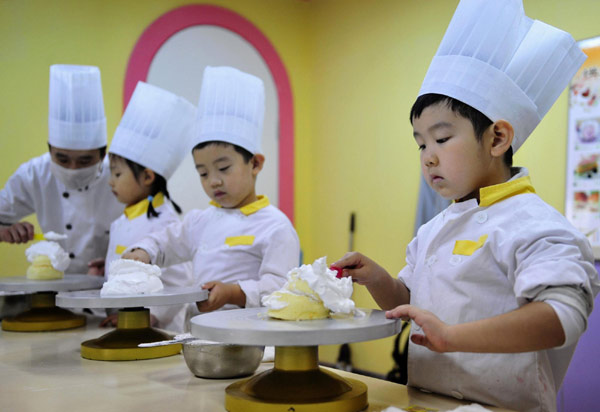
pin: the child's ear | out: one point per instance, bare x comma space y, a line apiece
258, 161
147, 177
503, 134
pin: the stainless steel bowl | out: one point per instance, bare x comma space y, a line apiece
221, 360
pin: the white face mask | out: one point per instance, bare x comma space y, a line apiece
76, 178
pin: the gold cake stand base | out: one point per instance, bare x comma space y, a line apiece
133, 328
43, 316
296, 383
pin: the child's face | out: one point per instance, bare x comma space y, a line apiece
123, 183
453, 162
225, 177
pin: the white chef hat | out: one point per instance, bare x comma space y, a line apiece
76, 118
231, 108
155, 130
502, 63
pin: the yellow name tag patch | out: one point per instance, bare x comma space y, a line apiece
120, 249
239, 240
468, 247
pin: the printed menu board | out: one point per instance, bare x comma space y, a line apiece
583, 147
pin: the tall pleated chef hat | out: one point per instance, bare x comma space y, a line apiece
76, 118
231, 108
502, 63
155, 130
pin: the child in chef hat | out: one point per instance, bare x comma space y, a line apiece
499, 285
66, 188
148, 146
241, 246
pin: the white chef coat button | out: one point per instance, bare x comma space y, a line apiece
457, 394
455, 260
481, 217
68, 226
79, 190
72, 255
66, 195
107, 232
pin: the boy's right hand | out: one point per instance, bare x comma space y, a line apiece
137, 254
362, 269
21, 232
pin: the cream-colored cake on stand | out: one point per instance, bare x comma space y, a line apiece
44, 315
133, 325
296, 382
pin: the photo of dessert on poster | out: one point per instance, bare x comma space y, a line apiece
583, 145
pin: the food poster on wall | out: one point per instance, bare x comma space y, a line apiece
583, 151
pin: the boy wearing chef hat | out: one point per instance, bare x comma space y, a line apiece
149, 144
241, 246
66, 188
500, 285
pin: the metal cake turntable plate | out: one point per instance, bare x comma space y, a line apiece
68, 283
167, 296
254, 327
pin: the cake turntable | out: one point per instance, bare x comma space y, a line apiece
44, 315
296, 382
133, 325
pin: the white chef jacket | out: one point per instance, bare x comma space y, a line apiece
476, 261
254, 246
84, 214
132, 226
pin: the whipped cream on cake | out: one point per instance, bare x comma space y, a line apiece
48, 261
130, 277
311, 292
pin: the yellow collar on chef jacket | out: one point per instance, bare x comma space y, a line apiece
495, 193
141, 207
262, 202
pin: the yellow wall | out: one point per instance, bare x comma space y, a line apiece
355, 68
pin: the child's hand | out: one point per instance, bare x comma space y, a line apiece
110, 320
137, 254
21, 232
221, 294
429, 330
362, 269
96, 267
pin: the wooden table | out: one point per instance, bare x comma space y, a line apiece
43, 371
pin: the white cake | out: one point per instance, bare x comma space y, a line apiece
130, 277
48, 261
311, 292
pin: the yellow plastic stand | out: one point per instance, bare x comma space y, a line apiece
133, 328
43, 316
296, 383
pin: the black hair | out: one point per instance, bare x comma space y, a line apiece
479, 120
245, 153
159, 184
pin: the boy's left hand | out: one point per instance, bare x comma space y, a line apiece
221, 294
434, 332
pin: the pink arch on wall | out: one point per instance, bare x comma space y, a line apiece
183, 17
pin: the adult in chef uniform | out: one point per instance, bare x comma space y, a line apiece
67, 188
500, 284
148, 146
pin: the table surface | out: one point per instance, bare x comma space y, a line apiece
44, 371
